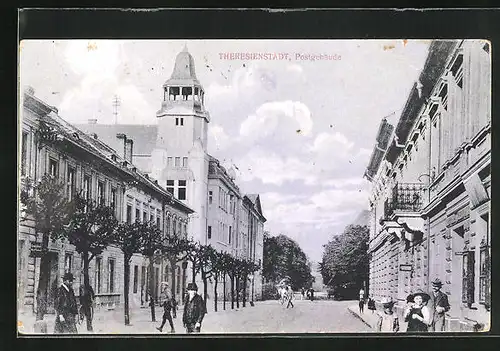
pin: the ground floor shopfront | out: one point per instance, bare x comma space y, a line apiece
454, 246
105, 274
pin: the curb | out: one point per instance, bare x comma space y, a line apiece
359, 317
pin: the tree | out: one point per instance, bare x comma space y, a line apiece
217, 265
283, 258
151, 247
175, 249
91, 230
247, 268
205, 255
345, 261
50, 209
128, 238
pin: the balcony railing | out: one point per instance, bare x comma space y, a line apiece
405, 197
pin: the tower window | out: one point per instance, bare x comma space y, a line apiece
187, 93
169, 161
173, 92
181, 191
209, 232
182, 121
210, 197
53, 167
177, 162
184, 162
170, 186
176, 121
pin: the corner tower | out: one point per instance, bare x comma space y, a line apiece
180, 159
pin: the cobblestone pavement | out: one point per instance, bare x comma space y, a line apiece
264, 317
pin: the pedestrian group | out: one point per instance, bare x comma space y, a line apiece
423, 312
68, 314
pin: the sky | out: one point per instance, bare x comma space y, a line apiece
299, 128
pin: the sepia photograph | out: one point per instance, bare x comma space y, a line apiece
259, 186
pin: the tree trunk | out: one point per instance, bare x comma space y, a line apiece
215, 291
126, 276
232, 291
245, 290
205, 288
151, 289
237, 291
86, 284
173, 265
193, 271
224, 292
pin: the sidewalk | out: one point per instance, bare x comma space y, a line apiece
113, 321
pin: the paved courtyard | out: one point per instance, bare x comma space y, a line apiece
264, 317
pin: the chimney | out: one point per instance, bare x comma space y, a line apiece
124, 137
129, 148
92, 121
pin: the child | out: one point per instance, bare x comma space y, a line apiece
388, 321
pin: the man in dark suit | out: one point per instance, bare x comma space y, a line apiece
194, 310
66, 307
86, 297
439, 305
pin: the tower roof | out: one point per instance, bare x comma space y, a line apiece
184, 71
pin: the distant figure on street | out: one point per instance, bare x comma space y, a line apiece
194, 310
388, 321
86, 298
66, 307
438, 305
302, 292
311, 294
417, 314
167, 304
361, 294
289, 295
361, 305
371, 304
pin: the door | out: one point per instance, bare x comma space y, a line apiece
53, 281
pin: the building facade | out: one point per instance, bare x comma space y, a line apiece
430, 198
85, 164
175, 152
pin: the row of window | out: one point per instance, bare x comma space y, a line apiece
227, 202
224, 234
111, 272
176, 162
71, 188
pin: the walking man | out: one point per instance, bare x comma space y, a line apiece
66, 307
439, 306
289, 295
194, 310
166, 302
86, 298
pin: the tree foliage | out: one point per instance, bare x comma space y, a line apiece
92, 227
345, 258
283, 258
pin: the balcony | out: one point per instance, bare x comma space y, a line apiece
406, 198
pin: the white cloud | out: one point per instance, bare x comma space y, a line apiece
270, 115
273, 169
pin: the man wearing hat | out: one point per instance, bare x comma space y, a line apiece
194, 310
66, 307
439, 305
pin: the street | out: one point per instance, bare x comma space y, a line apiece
264, 317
